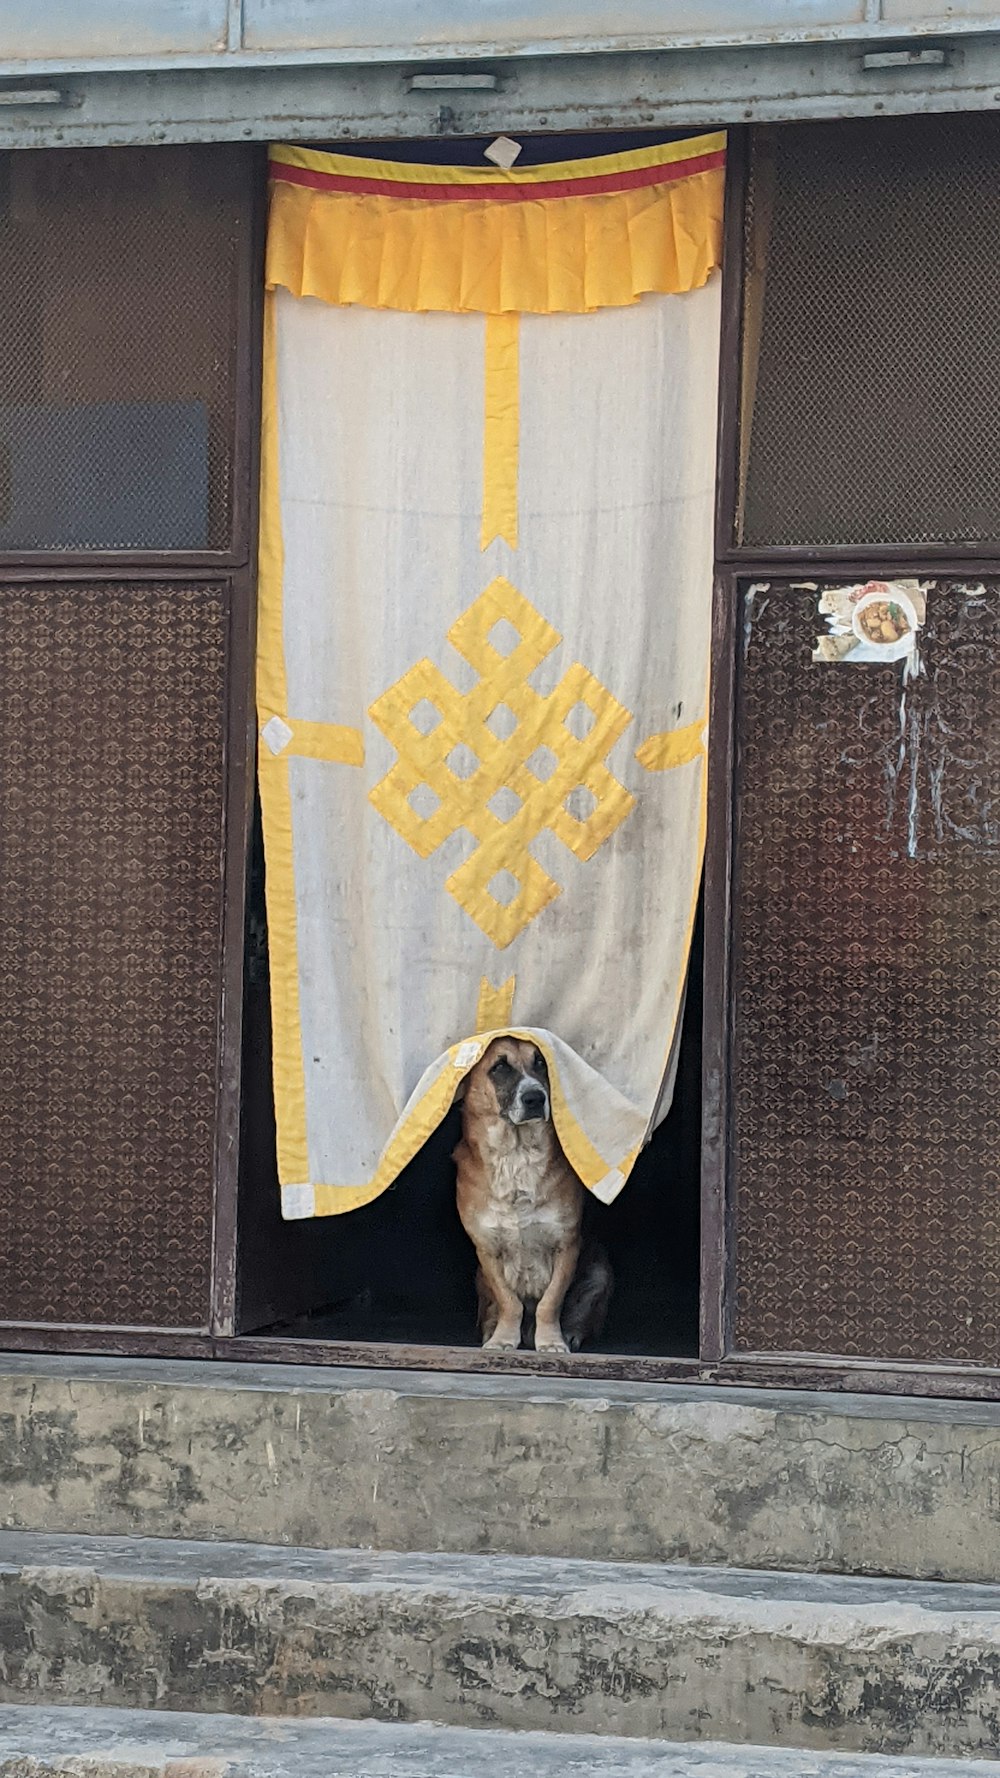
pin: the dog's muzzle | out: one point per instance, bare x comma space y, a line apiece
530, 1104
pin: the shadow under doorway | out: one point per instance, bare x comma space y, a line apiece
401, 1270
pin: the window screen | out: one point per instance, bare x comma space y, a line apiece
118, 347
871, 377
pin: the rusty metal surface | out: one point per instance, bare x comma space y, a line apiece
866, 976
118, 336
112, 706
877, 410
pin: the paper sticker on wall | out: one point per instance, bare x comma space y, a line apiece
874, 622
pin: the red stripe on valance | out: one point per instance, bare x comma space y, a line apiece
594, 185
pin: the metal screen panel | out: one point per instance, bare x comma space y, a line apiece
866, 959
112, 706
872, 321
118, 347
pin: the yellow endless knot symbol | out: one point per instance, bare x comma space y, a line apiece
501, 761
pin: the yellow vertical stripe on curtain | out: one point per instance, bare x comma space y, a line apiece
500, 432
275, 792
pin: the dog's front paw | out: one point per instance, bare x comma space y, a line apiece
549, 1339
505, 1339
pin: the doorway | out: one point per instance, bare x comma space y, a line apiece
400, 1270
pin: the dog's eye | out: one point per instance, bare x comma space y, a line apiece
498, 1068
538, 1064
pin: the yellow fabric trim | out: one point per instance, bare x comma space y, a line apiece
663, 154
494, 1008
696, 895
326, 740
272, 685
674, 747
276, 800
501, 430
587, 1164
628, 1163
554, 256
427, 1114
334, 1200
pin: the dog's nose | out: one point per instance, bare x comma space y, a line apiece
533, 1102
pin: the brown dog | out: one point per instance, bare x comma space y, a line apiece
521, 1206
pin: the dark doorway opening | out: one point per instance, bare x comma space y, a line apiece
401, 1269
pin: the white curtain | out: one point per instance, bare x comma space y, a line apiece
580, 658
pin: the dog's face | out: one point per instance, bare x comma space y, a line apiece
510, 1081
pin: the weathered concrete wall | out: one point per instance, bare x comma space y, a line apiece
409, 1462
821, 1662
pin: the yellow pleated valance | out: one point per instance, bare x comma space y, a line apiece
567, 237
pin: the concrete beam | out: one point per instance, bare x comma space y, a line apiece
656, 89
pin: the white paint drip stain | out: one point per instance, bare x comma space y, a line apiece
934, 766
749, 607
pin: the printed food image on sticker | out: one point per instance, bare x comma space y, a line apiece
876, 621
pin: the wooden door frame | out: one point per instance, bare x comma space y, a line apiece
241, 762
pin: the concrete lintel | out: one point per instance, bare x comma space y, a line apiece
654, 90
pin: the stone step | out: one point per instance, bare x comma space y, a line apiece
40, 1743
794, 1660
516, 1465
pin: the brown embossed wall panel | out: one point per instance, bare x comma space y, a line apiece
866, 976
112, 707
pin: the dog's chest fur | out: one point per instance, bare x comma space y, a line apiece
528, 1213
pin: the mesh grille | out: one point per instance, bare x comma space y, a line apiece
111, 754
877, 409
118, 347
867, 991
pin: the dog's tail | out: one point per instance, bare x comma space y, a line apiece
586, 1307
